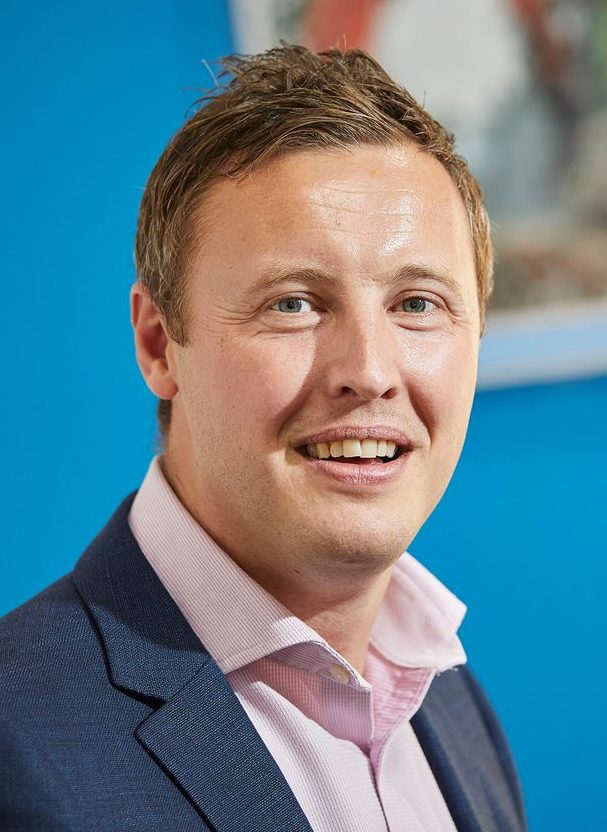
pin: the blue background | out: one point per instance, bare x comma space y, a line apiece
91, 94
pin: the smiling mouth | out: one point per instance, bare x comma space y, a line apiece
354, 451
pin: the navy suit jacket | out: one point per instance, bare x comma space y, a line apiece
113, 716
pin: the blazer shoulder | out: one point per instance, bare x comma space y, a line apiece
457, 703
42, 644
498, 737
40, 639
52, 637
53, 605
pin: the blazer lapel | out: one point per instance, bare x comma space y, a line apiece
204, 738
198, 732
462, 755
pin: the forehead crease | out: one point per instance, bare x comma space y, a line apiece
329, 193
364, 206
370, 185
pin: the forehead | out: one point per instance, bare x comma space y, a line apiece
355, 209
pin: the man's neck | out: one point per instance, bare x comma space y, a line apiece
343, 619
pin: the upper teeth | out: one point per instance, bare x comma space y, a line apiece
364, 448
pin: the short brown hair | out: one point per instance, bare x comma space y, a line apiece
281, 101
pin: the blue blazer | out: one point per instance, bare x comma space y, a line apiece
113, 716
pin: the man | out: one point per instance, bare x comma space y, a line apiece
244, 646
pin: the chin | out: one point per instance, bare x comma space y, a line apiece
364, 550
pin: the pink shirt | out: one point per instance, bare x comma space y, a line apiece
343, 742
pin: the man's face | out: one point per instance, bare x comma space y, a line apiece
333, 298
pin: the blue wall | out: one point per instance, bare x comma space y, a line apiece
520, 537
92, 92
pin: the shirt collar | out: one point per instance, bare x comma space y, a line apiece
416, 625
419, 618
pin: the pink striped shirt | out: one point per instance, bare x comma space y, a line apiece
343, 742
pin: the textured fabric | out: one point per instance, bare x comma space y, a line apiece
114, 717
343, 742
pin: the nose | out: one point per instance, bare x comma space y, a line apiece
364, 359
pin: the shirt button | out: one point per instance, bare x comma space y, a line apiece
339, 673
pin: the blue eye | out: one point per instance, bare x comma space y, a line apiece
417, 305
292, 305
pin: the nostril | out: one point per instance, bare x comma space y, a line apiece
368, 392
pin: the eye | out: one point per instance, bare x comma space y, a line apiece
417, 305
292, 305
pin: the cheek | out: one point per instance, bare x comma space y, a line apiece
443, 380
262, 382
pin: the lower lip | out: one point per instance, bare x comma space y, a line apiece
357, 475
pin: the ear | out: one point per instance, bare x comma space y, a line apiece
152, 344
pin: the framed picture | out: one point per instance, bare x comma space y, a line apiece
523, 85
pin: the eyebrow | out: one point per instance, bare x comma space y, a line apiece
277, 276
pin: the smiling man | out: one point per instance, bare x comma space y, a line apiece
245, 646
